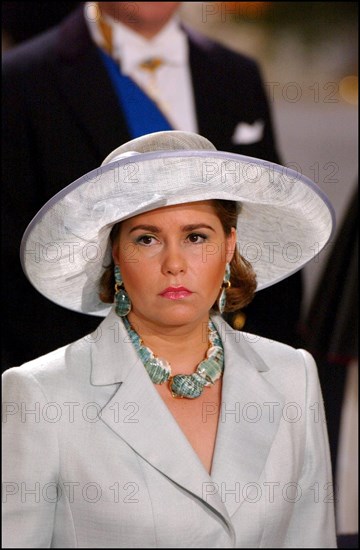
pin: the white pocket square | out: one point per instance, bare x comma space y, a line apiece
248, 133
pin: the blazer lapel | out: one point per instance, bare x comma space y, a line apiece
82, 79
137, 414
249, 420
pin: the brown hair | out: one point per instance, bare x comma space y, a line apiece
242, 274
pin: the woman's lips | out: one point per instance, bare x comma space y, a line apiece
175, 293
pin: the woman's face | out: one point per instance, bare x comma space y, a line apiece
172, 262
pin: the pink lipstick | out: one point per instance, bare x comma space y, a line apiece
175, 293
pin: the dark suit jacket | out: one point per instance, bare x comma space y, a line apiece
61, 118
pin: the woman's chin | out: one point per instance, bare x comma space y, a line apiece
177, 314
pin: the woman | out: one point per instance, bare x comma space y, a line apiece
166, 428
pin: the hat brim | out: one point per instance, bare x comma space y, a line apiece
284, 218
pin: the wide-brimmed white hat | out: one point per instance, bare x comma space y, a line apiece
284, 218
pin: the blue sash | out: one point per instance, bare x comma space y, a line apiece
141, 113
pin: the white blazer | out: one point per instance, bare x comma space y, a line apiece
93, 458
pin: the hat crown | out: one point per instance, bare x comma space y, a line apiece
171, 140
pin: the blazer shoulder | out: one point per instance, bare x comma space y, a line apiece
290, 371
286, 366
267, 355
64, 40
276, 354
53, 367
31, 53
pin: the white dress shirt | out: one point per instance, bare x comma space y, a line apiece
171, 85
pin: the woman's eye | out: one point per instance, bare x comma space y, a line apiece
197, 238
146, 240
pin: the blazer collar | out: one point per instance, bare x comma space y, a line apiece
137, 414
113, 355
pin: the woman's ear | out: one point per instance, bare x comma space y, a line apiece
230, 245
115, 250
115, 253
115, 243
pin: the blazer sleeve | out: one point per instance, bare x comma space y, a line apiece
30, 462
313, 521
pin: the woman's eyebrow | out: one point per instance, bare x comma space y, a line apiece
145, 227
184, 228
194, 226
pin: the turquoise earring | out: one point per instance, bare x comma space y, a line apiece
122, 300
225, 285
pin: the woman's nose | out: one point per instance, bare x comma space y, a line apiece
174, 261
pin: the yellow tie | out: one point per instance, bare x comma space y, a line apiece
151, 66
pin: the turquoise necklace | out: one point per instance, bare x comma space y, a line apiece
182, 385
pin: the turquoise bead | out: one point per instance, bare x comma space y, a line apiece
123, 304
209, 369
158, 370
183, 385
